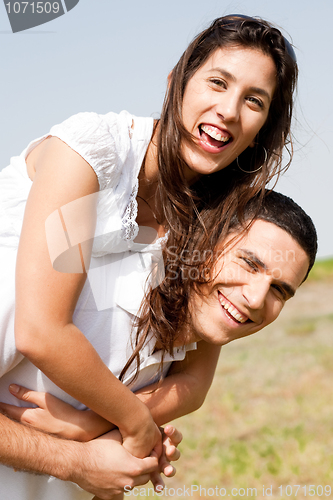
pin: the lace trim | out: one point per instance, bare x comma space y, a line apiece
130, 227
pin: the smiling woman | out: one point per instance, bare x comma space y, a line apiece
225, 105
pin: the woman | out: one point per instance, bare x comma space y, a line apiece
228, 104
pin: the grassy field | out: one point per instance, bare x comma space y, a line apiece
268, 419
322, 270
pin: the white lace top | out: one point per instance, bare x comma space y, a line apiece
114, 146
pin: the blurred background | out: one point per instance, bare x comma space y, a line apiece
108, 55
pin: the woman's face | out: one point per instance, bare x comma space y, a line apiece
226, 102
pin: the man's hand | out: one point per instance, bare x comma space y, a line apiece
171, 438
55, 416
106, 467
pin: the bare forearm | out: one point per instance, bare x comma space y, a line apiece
171, 400
102, 466
25, 448
185, 388
72, 363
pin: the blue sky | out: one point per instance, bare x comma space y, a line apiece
107, 55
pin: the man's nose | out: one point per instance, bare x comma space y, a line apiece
255, 292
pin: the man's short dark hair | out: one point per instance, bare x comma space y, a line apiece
286, 214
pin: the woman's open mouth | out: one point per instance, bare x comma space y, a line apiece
213, 139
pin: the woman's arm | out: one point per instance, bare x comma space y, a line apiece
46, 299
181, 392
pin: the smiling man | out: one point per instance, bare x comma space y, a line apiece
253, 273
252, 282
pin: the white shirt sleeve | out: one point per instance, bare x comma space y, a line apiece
101, 140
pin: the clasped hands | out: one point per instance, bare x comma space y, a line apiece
54, 416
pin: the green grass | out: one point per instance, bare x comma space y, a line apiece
322, 269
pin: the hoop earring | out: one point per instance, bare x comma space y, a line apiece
253, 171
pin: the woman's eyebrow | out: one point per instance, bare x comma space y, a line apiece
224, 73
230, 76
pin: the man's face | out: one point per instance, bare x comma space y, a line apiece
252, 280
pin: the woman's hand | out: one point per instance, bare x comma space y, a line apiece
54, 416
144, 439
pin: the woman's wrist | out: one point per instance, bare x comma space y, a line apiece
138, 422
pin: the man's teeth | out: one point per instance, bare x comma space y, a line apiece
214, 134
234, 313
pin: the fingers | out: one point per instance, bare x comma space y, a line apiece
168, 469
173, 434
150, 464
172, 453
157, 481
15, 412
148, 471
173, 438
33, 397
165, 466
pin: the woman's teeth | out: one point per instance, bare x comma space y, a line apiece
214, 134
231, 310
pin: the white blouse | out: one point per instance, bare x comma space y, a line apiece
114, 146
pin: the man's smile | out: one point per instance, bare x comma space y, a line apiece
232, 310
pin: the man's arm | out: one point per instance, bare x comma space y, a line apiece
181, 392
185, 388
102, 467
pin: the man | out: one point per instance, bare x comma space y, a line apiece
251, 280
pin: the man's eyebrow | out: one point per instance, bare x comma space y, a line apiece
230, 76
286, 287
255, 258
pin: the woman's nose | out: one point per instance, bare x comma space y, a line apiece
229, 107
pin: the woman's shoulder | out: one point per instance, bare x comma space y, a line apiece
92, 122
103, 140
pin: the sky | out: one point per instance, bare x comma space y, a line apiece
108, 55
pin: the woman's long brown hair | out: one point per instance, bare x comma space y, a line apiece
198, 216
